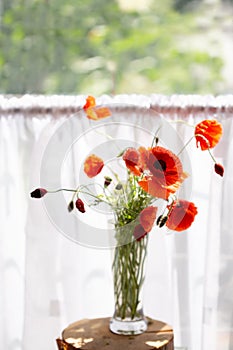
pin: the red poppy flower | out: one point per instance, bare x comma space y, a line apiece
208, 133
93, 165
80, 205
219, 169
181, 215
90, 102
131, 158
139, 232
164, 165
147, 218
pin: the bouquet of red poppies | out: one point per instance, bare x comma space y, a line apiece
153, 172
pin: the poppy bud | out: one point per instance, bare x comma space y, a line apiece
161, 221
219, 169
118, 186
70, 206
80, 205
107, 181
38, 193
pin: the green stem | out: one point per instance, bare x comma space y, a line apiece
128, 268
211, 155
180, 121
187, 143
61, 189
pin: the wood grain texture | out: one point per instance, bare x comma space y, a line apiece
95, 334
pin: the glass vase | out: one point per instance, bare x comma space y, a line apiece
128, 277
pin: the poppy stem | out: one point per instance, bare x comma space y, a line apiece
61, 189
94, 196
114, 174
208, 148
187, 143
155, 138
108, 137
180, 121
211, 155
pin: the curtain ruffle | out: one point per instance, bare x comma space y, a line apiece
56, 105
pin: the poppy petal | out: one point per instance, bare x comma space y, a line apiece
143, 154
90, 102
98, 113
147, 218
102, 112
152, 186
139, 232
91, 114
93, 165
131, 158
131, 155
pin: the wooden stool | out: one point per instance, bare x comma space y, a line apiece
95, 334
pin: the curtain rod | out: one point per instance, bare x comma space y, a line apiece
69, 104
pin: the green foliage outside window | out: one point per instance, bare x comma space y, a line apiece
93, 46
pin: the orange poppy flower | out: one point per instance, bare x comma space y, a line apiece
181, 215
147, 218
164, 165
208, 133
139, 232
131, 158
93, 165
94, 113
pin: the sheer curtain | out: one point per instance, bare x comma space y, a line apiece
48, 281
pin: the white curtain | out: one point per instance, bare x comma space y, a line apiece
48, 281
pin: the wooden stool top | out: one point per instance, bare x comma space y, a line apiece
95, 334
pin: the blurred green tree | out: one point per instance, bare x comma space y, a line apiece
94, 46
186, 5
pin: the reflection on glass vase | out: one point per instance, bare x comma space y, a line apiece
128, 276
